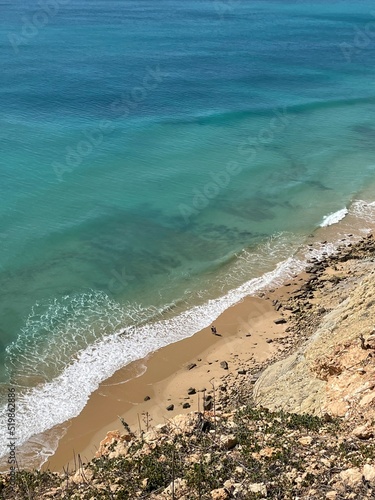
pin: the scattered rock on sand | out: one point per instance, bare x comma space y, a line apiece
224, 365
170, 407
279, 321
208, 403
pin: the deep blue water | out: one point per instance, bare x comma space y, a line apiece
159, 154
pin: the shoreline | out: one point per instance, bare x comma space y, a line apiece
124, 392
167, 378
163, 377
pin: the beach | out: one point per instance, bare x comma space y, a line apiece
252, 334
249, 336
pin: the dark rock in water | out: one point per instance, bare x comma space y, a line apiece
186, 405
224, 365
279, 321
146, 398
170, 408
191, 390
191, 366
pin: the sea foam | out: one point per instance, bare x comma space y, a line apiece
334, 218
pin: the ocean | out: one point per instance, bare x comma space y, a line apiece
160, 161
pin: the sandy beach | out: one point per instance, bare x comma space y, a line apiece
249, 334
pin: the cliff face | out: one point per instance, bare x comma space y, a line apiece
333, 372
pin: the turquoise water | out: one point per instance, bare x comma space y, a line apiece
156, 156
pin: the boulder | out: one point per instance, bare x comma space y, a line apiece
363, 432
258, 488
228, 441
219, 494
352, 477
369, 473
110, 438
279, 321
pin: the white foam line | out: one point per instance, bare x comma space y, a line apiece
334, 218
43, 407
364, 210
